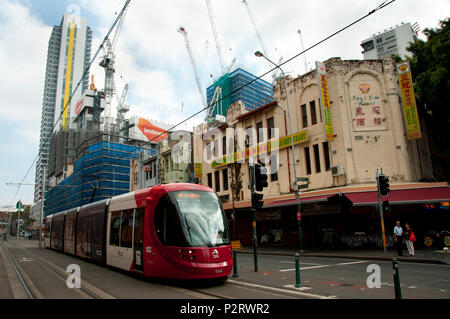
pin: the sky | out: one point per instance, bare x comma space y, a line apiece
152, 58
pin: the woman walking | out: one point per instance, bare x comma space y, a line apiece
410, 238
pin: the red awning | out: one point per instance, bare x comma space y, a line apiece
290, 202
402, 196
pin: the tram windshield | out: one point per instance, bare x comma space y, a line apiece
199, 215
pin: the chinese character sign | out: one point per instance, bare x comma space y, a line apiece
408, 100
324, 100
366, 110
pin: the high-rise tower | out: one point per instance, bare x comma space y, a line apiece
68, 55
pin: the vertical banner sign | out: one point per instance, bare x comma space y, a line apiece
324, 100
68, 75
409, 102
198, 151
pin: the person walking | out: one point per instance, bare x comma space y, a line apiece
5, 236
410, 238
398, 238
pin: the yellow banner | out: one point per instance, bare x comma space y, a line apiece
409, 101
325, 100
68, 74
262, 148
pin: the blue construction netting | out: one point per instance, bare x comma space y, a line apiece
105, 169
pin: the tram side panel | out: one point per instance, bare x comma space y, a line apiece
57, 234
90, 234
70, 231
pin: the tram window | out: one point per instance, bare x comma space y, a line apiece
167, 224
126, 229
114, 238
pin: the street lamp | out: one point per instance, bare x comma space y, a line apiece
297, 191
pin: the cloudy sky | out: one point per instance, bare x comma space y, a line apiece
152, 57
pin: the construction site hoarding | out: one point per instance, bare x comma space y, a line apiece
324, 100
408, 101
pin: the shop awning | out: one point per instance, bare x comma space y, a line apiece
401, 196
307, 200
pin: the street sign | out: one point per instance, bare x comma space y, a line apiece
302, 186
236, 244
302, 179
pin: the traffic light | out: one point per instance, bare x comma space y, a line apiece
257, 200
260, 178
386, 207
383, 184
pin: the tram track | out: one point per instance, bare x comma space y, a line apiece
86, 291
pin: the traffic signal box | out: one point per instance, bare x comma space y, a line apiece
260, 183
383, 184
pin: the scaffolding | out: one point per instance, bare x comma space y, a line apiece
101, 173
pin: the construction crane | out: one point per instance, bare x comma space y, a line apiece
303, 49
216, 38
108, 63
263, 47
183, 31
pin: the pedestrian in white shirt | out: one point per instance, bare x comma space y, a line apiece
398, 238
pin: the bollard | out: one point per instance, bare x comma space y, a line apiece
297, 271
235, 272
398, 290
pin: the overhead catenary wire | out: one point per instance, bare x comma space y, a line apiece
379, 7
76, 88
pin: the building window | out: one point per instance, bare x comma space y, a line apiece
307, 161
259, 132
225, 179
326, 152
216, 148
304, 116
208, 151
217, 180
249, 132
224, 145
317, 157
273, 168
312, 106
270, 128
209, 179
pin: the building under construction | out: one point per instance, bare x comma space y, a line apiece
235, 86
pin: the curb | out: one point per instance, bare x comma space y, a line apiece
379, 258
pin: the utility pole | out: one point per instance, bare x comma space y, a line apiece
255, 238
42, 208
19, 206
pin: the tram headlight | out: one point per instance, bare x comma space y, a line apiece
190, 251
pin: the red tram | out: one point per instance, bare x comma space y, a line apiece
170, 231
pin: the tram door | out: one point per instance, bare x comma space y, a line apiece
138, 234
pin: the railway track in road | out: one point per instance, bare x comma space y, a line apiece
33, 273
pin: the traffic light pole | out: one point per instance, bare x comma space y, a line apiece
255, 238
383, 232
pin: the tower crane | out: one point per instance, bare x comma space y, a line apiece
108, 63
263, 47
183, 31
303, 49
216, 38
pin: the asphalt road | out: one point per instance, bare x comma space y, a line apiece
45, 273
347, 278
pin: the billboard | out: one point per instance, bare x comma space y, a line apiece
324, 100
408, 101
144, 130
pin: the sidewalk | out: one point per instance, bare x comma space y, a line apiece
429, 256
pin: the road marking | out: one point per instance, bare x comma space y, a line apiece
293, 262
304, 294
325, 266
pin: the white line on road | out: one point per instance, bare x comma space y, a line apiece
304, 294
324, 266
293, 262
